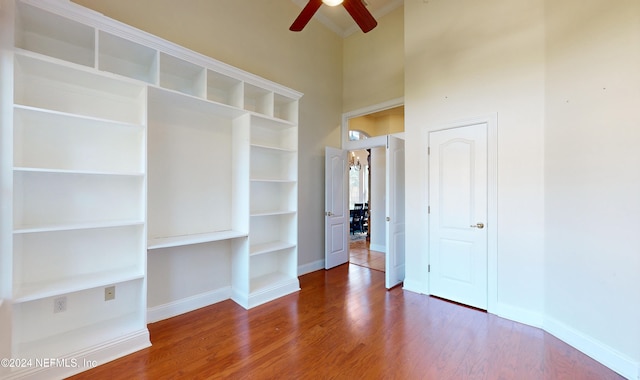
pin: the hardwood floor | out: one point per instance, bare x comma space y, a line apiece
361, 254
343, 324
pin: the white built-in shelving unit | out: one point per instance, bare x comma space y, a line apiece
131, 163
273, 201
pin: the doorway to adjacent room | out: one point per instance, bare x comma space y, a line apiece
370, 166
366, 234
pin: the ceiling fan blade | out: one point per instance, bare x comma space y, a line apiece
307, 12
360, 14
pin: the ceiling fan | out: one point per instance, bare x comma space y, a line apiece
356, 9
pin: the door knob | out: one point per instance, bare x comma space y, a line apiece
477, 225
328, 213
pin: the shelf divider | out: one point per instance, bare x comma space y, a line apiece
177, 241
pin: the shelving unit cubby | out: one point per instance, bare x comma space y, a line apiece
191, 181
120, 56
40, 83
224, 89
285, 108
258, 100
87, 322
183, 76
44, 32
56, 140
268, 164
58, 199
56, 262
202, 271
132, 162
271, 197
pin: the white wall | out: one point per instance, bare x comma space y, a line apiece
564, 79
465, 59
374, 64
592, 174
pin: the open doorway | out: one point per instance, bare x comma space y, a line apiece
366, 205
367, 183
383, 135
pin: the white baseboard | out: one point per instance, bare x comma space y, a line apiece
168, 310
414, 286
599, 351
84, 360
378, 248
519, 315
311, 267
278, 290
241, 299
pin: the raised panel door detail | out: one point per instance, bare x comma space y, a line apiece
458, 203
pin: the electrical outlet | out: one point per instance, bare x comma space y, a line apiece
59, 304
110, 293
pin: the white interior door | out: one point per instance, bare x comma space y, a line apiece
336, 228
394, 259
458, 214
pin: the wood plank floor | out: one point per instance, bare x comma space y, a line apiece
361, 254
343, 324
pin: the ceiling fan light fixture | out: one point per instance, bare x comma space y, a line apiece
332, 3
356, 8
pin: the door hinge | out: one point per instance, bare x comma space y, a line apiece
428, 151
428, 209
429, 268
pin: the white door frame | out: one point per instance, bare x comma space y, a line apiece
372, 142
491, 121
